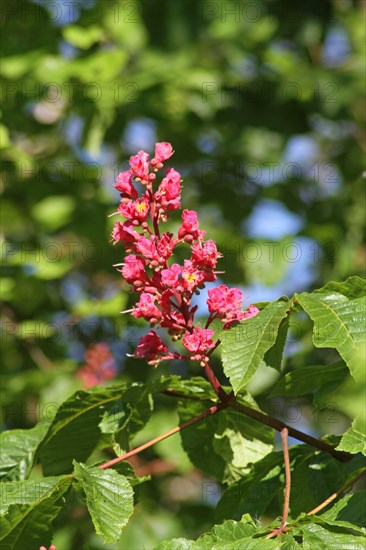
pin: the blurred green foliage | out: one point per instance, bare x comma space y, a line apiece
263, 103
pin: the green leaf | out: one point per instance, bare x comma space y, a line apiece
260, 491
350, 508
195, 388
273, 357
74, 432
54, 211
329, 523
309, 379
315, 536
339, 323
4, 137
353, 287
109, 498
232, 535
18, 450
225, 443
354, 439
30, 525
175, 544
82, 37
131, 412
289, 543
245, 345
35, 329
126, 469
27, 492
254, 492
108, 307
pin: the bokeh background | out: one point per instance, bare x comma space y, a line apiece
263, 103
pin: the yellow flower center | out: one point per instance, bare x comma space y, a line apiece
141, 207
190, 277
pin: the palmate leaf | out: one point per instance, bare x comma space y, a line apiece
225, 443
109, 497
18, 450
244, 346
339, 322
30, 525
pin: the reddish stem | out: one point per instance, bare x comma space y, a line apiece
205, 414
216, 386
286, 501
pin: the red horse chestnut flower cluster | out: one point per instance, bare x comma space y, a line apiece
166, 289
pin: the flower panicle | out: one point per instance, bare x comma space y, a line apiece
166, 288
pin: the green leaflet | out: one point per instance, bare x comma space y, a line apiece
109, 498
27, 492
339, 323
18, 450
244, 346
28, 524
350, 508
260, 490
230, 535
225, 443
309, 379
75, 431
315, 536
354, 439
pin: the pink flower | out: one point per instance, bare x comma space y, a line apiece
140, 165
147, 309
147, 247
222, 299
134, 270
189, 229
191, 276
252, 311
199, 341
124, 232
169, 277
165, 246
172, 319
205, 256
152, 347
136, 211
125, 186
163, 151
168, 194
225, 303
